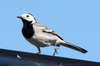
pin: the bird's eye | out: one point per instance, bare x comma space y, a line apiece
27, 16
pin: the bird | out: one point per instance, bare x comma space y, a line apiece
41, 36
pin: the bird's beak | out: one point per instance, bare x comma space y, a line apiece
19, 17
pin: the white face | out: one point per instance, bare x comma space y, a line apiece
28, 17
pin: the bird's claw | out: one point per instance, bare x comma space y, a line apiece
55, 52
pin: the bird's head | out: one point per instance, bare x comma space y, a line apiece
27, 17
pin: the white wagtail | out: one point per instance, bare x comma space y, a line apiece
41, 36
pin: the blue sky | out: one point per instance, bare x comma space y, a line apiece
76, 21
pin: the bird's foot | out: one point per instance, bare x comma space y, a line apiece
38, 52
55, 51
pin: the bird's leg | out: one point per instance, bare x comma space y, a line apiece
39, 50
56, 48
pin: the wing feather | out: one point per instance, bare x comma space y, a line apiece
47, 30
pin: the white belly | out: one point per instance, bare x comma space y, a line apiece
42, 40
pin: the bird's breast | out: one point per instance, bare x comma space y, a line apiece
28, 31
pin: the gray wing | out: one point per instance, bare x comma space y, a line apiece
47, 30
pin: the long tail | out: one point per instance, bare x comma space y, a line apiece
69, 45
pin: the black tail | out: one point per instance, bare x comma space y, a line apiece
74, 47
